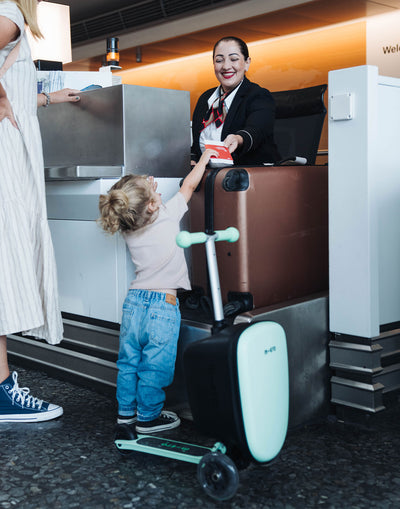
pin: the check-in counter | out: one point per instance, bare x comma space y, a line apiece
117, 130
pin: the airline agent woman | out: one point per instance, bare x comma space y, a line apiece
238, 112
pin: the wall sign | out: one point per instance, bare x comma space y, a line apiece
383, 43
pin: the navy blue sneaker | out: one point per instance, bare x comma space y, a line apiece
165, 421
124, 419
17, 405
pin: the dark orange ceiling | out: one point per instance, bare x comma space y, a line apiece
311, 15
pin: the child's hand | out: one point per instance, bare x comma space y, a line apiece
207, 154
193, 179
153, 183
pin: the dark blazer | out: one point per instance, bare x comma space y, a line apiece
252, 115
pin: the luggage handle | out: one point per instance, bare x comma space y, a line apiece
209, 201
186, 239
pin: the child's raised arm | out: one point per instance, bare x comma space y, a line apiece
193, 179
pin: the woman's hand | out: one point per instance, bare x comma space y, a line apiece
6, 111
60, 96
233, 141
65, 95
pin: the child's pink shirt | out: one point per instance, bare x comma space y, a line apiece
160, 263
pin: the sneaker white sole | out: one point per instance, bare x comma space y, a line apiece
38, 417
154, 429
127, 421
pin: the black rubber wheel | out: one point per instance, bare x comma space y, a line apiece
124, 432
241, 461
218, 476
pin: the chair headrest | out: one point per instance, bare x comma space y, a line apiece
300, 102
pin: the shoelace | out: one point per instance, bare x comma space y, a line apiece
166, 417
21, 395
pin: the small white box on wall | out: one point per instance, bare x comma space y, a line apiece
341, 107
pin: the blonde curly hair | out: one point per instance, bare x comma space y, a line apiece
125, 206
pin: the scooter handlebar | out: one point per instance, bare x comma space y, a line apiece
186, 239
231, 234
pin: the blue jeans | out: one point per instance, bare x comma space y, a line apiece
147, 353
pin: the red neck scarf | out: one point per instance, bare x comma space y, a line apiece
217, 112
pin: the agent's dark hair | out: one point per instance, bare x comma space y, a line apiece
244, 50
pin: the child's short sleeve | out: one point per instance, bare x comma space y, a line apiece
176, 206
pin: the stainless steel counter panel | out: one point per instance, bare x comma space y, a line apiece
82, 172
305, 322
128, 128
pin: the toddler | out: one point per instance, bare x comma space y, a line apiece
151, 317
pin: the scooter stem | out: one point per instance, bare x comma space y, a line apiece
185, 239
214, 278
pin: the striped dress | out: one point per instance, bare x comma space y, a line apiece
28, 279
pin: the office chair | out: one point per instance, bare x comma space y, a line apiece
299, 118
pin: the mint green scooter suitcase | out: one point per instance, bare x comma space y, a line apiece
238, 388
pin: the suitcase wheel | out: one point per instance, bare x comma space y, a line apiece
218, 476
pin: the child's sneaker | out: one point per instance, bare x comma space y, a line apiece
166, 420
17, 405
123, 419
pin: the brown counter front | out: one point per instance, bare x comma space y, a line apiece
281, 213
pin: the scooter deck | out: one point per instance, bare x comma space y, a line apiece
160, 446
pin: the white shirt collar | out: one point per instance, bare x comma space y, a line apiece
228, 101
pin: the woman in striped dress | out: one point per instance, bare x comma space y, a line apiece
28, 279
